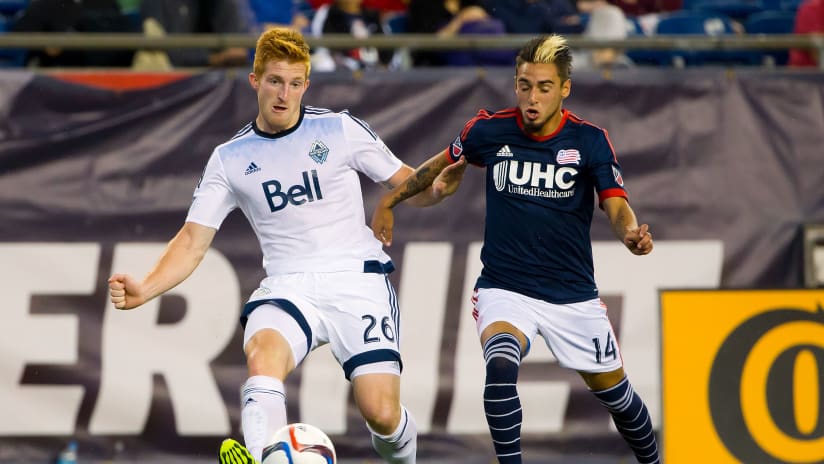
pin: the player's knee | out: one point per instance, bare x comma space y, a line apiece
383, 417
267, 353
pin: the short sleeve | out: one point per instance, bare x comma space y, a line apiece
213, 198
368, 153
464, 144
606, 172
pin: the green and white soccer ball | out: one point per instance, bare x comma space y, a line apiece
299, 443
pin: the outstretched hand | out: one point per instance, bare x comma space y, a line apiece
639, 240
449, 179
125, 292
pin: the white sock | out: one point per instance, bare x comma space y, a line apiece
400, 447
263, 412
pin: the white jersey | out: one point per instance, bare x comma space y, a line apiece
300, 191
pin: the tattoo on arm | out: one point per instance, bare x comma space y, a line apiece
414, 184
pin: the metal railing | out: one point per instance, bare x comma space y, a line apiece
98, 41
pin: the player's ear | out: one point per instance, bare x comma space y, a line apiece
253, 81
566, 87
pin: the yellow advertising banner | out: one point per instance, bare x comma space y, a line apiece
742, 376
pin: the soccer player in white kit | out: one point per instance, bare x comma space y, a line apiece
293, 171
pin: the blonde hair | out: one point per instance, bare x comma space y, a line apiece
547, 49
281, 44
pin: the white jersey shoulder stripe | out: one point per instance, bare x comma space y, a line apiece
316, 110
240, 133
362, 123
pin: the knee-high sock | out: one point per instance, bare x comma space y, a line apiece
632, 420
401, 446
263, 412
502, 405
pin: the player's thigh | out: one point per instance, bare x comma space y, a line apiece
274, 343
280, 315
580, 336
361, 318
496, 311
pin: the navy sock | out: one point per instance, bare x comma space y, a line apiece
632, 420
502, 405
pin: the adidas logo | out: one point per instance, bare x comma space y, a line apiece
504, 152
253, 168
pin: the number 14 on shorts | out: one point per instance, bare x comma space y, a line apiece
609, 348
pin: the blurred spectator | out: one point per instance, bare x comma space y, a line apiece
129, 6
387, 6
642, 7
809, 19
427, 17
264, 14
76, 16
606, 21
472, 18
532, 16
348, 17
197, 17
383, 6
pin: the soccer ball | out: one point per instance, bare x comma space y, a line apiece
299, 444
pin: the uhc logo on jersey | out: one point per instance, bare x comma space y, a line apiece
278, 197
534, 179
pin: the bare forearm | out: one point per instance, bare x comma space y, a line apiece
181, 257
173, 268
623, 221
417, 182
637, 239
425, 197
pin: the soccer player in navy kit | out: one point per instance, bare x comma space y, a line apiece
293, 171
544, 166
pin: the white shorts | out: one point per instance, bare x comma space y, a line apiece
355, 312
579, 335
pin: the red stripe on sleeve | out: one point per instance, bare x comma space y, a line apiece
612, 192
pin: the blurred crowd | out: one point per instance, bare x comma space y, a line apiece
601, 19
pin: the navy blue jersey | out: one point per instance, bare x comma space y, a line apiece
540, 195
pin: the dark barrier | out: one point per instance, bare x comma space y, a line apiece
726, 167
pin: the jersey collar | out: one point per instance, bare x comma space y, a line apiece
281, 133
520, 120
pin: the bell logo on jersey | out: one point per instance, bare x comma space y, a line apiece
278, 197
534, 179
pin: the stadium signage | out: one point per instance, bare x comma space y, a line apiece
72, 362
748, 384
